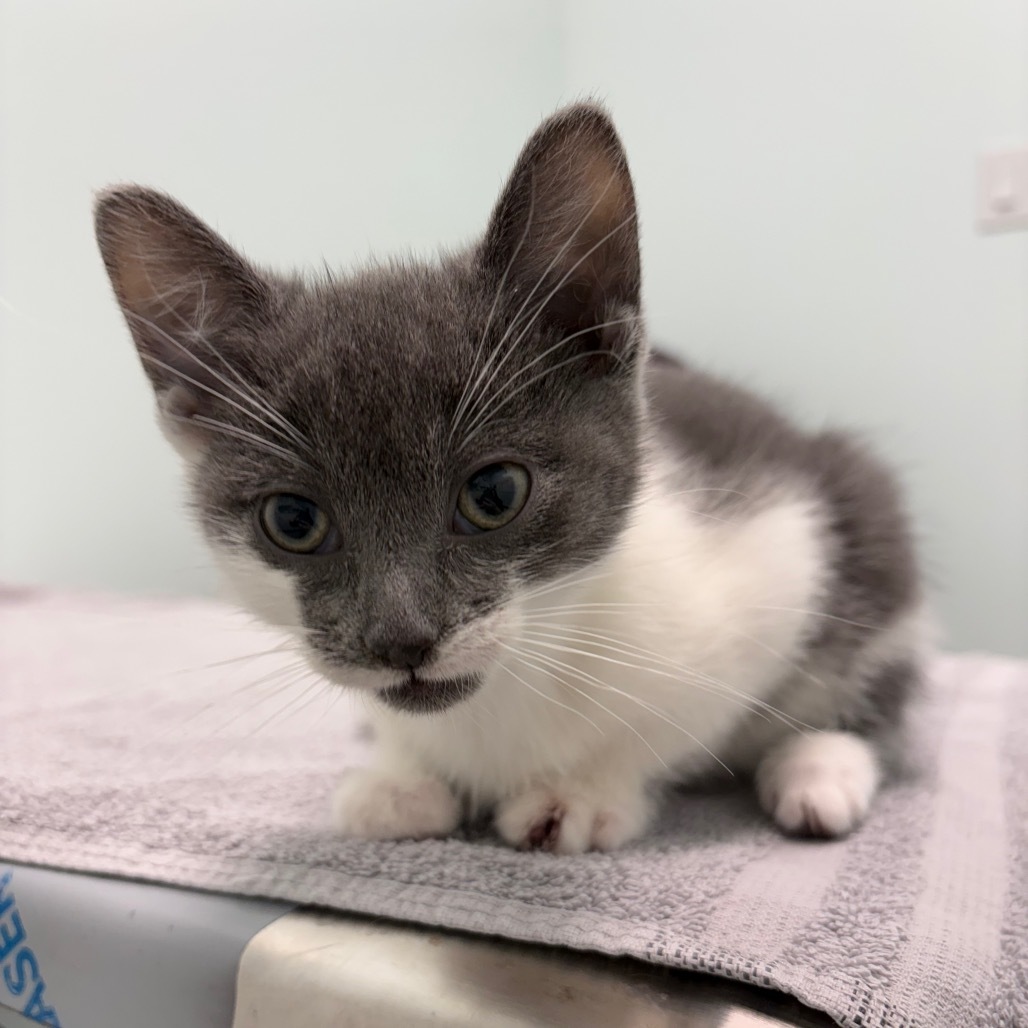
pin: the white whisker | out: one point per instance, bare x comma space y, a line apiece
484, 411
316, 684
508, 397
781, 656
296, 675
643, 704
599, 605
593, 699
245, 389
818, 614
693, 678
563, 280
287, 433
542, 278
649, 707
540, 693
471, 386
241, 433
282, 648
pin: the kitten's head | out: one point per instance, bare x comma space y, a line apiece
391, 462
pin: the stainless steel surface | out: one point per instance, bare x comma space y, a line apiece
121, 954
314, 970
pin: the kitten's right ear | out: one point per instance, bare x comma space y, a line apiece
564, 235
190, 301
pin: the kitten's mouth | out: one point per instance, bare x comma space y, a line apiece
429, 695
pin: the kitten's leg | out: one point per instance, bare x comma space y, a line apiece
820, 783
592, 809
394, 800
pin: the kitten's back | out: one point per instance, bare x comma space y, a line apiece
741, 454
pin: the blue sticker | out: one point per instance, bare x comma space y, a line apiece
19, 966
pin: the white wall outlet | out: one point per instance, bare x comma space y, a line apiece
1003, 190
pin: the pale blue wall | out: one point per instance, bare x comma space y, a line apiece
805, 173
806, 182
304, 129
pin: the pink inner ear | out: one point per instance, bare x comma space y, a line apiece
607, 190
585, 233
179, 402
564, 226
147, 281
187, 296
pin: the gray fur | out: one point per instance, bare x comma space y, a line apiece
742, 451
369, 370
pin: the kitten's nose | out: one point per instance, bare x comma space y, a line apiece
404, 651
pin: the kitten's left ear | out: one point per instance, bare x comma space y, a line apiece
565, 227
192, 303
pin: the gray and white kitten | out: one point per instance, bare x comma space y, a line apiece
566, 570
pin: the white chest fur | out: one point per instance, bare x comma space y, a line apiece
646, 661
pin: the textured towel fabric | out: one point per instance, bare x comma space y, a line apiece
131, 744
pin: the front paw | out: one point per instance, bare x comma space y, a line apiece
376, 805
571, 820
818, 784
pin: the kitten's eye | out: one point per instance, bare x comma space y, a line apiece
294, 523
491, 498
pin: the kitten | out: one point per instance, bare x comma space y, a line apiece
565, 569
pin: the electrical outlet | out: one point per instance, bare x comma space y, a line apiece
1003, 190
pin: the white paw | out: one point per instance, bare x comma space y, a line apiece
569, 820
374, 805
819, 784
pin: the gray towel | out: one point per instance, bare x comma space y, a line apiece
128, 746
